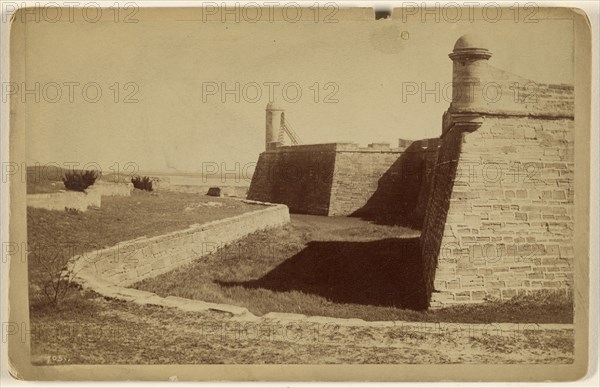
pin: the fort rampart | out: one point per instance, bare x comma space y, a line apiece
493, 195
341, 179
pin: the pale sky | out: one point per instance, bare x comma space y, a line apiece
171, 129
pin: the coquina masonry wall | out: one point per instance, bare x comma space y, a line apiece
494, 194
357, 174
133, 261
297, 176
396, 194
499, 221
436, 213
378, 179
509, 223
345, 179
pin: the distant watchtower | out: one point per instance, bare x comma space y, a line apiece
275, 121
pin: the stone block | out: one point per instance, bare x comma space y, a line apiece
439, 285
453, 284
466, 271
463, 296
550, 260
529, 133
215, 192
494, 293
494, 284
521, 194
521, 216
508, 293
485, 271
551, 284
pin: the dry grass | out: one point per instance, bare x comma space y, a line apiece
283, 271
96, 331
87, 329
41, 180
55, 236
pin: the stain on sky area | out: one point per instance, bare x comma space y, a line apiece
389, 39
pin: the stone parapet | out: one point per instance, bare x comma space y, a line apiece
131, 261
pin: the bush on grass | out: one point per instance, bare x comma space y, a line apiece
79, 180
142, 183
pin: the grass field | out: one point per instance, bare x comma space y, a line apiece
91, 330
88, 329
55, 236
41, 180
339, 267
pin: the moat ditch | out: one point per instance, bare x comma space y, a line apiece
341, 267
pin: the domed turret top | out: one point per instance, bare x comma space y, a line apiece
274, 106
470, 41
470, 46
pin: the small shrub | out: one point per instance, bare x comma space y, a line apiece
142, 183
58, 278
79, 180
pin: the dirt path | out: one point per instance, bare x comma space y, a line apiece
119, 332
91, 330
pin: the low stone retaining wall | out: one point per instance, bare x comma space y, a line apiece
77, 200
112, 188
111, 271
131, 261
65, 200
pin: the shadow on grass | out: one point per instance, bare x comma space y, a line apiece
379, 273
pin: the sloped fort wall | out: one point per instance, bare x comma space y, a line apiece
504, 224
340, 179
499, 221
493, 195
298, 176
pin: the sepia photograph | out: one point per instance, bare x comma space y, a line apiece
300, 185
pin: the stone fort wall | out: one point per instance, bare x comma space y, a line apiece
493, 195
340, 179
500, 219
297, 176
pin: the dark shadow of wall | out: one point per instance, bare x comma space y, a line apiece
438, 203
299, 177
403, 190
381, 273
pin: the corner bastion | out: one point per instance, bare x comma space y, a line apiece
493, 195
499, 220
